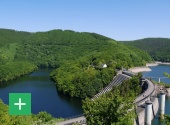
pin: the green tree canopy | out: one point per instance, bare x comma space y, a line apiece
42, 118
158, 48
115, 107
109, 109
78, 57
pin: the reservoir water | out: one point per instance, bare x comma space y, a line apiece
44, 94
157, 71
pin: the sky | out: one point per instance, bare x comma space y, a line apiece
117, 19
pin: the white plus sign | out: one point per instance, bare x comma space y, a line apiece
19, 103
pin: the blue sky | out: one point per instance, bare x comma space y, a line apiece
118, 19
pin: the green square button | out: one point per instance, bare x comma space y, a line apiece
20, 103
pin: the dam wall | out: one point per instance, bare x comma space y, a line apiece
141, 115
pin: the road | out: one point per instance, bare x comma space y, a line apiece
81, 119
147, 93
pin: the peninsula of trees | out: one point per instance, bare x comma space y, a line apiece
77, 57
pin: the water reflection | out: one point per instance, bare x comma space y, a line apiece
44, 94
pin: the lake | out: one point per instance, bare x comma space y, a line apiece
157, 71
45, 96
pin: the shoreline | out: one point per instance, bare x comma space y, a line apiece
156, 63
146, 68
162, 63
140, 69
152, 64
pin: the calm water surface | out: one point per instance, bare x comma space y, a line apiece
44, 94
157, 71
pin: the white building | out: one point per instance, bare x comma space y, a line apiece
104, 66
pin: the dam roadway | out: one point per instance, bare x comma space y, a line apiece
142, 97
139, 101
149, 94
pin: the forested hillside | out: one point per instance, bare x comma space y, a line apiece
112, 108
158, 48
77, 56
42, 118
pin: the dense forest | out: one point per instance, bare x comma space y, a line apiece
77, 57
42, 118
115, 107
158, 48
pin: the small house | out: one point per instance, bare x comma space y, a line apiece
104, 66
